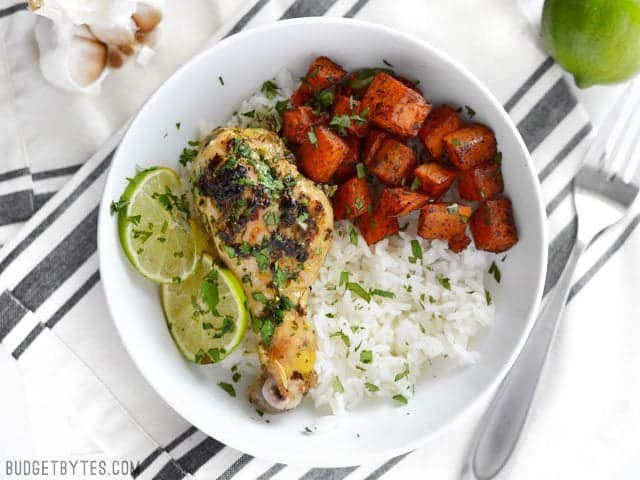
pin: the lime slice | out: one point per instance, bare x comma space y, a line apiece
207, 313
154, 229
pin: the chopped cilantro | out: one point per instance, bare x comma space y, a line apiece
236, 376
470, 111
359, 291
281, 106
498, 157
209, 290
403, 374
135, 219
416, 249
214, 353
353, 235
495, 271
401, 399
271, 218
227, 387
341, 123
270, 89
345, 339
360, 171
382, 293
366, 356
178, 125
259, 297
344, 278
312, 138
371, 387
444, 281
387, 63
337, 385
487, 296
119, 206
415, 184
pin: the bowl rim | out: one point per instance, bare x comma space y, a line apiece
542, 254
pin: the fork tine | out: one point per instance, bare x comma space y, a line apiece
599, 144
616, 161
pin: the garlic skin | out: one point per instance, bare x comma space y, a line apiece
81, 41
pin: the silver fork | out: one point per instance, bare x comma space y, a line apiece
603, 193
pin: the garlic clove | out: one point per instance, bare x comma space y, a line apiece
86, 60
147, 17
114, 34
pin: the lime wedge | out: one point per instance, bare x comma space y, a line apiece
207, 313
154, 228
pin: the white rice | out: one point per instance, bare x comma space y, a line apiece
438, 305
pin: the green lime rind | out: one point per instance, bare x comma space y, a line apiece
598, 41
154, 228
204, 336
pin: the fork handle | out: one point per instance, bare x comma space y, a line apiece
502, 424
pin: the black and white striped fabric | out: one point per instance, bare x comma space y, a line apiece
53, 317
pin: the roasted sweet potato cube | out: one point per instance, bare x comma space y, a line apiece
470, 146
320, 159
350, 107
435, 178
301, 96
493, 226
372, 144
296, 124
392, 163
323, 73
347, 167
401, 201
440, 122
443, 220
395, 107
482, 182
377, 225
352, 199
459, 243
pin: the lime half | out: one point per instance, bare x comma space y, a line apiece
207, 313
154, 227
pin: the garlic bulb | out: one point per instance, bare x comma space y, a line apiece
80, 41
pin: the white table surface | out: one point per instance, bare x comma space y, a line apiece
15, 431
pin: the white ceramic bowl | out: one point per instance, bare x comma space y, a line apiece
195, 93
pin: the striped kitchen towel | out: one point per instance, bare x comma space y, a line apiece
53, 317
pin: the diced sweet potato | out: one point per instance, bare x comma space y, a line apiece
394, 106
459, 243
301, 96
493, 227
481, 182
435, 179
319, 160
470, 146
296, 124
323, 73
377, 225
350, 107
347, 167
440, 122
392, 163
401, 201
443, 220
372, 144
352, 199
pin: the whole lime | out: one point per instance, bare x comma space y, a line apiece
598, 41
